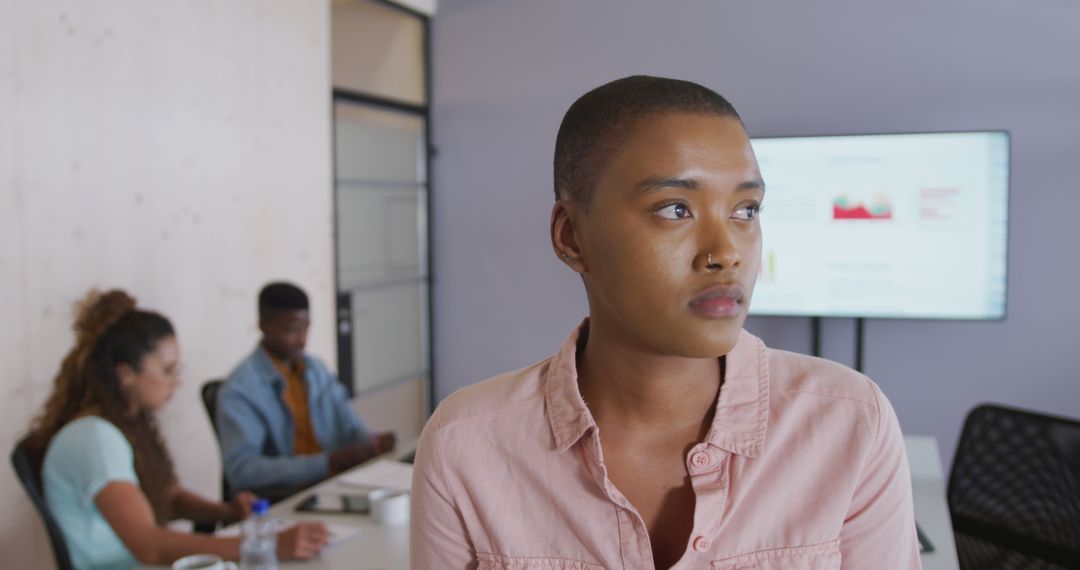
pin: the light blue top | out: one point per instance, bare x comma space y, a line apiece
82, 458
256, 430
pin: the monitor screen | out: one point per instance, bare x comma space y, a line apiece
884, 226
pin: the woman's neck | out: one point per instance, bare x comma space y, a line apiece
638, 390
87, 411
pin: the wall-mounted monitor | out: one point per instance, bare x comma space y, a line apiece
884, 226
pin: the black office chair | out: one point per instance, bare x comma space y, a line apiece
1014, 491
209, 399
275, 494
209, 394
31, 481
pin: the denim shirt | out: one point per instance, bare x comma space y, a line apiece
256, 430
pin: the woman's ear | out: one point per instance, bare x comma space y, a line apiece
564, 235
126, 374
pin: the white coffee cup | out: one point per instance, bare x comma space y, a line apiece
389, 507
203, 562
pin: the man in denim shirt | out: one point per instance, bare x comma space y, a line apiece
284, 421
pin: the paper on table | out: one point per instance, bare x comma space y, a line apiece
386, 474
231, 530
339, 534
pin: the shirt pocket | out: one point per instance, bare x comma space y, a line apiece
824, 556
498, 562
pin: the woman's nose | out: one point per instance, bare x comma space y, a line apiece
718, 251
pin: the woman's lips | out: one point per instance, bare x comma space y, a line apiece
720, 302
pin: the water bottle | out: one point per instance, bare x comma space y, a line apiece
259, 549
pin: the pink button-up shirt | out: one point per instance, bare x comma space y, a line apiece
802, 468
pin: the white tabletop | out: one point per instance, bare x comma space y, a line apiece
375, 548
931, 508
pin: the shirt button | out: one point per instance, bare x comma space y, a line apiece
702, 544
700, 459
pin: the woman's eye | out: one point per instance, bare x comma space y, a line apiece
748, 212
674, 212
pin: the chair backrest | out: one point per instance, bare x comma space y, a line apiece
31, 481
209, 399
209, 393
1014, 490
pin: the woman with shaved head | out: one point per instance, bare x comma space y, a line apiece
661, 434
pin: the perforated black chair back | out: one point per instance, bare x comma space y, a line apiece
209, 399
209, 393
1014, 491
31, 481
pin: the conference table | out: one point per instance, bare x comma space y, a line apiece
376, 547
931, 508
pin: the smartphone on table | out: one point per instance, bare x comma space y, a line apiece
335, 503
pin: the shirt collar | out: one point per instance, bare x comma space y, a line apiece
284, 366
271, 370
742, 408
566, 410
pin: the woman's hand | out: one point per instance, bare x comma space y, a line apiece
302, 541
240, 507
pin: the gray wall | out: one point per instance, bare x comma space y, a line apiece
504, 72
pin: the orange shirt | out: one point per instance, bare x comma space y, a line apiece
295, 398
